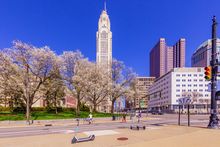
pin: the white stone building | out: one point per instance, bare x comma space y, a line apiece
180, 83
104, 50
104, 41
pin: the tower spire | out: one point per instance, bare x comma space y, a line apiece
105, 6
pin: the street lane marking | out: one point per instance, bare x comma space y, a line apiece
101, 133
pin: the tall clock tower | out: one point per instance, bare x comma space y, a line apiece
104, 41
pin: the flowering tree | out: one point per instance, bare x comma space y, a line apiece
80, 81
26, 68
133, 92
121, 80
73, 70
54, 90
98, 86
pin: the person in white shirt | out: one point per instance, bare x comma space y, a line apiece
90, 118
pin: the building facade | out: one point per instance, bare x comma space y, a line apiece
163, 58
104, 50
180, 83
104, 41
202, 56
142, 89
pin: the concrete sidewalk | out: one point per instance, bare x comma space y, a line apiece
163, 136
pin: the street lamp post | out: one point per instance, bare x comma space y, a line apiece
213, 122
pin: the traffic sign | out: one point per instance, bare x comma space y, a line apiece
142, 103
184, 101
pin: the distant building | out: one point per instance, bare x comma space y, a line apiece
202, 56
163, 58
142, 88
180, 83
120, 104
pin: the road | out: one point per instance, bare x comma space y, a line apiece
155, 120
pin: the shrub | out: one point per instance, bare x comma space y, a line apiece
53, 109
37, 109
65, 109
85, 108
18, 110
2, 109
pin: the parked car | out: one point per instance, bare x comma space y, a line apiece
156, 112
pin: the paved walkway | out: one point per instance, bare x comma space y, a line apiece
156, 136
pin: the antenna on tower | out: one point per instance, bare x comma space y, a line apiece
105, 6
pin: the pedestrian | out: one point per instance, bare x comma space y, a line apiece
139, 117
124, 117
90, 118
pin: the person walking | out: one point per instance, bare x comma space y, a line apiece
90, 118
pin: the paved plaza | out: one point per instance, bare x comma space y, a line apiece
166, 136
160, 131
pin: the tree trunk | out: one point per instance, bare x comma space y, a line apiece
78, 106
94, 108
55, 103
56, 107
28, 111
112, 106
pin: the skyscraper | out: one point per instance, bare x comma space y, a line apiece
179, 53
163, 58
104, 41
157, 59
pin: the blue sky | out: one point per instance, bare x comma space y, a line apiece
136, 25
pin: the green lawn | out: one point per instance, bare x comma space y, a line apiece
43, 115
